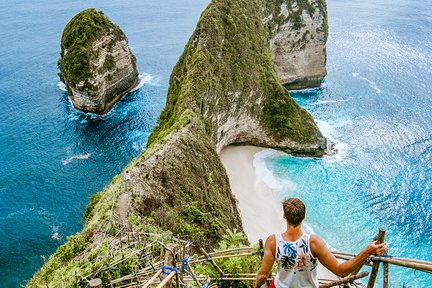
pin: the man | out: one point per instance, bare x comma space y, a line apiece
297, 253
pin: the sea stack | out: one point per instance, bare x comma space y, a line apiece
96, 64
298, 37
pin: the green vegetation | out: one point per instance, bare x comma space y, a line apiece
234, 265
77, 38
179, 184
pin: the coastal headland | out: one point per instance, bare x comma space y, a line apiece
224, 90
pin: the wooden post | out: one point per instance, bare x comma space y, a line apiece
170, 258
386, 272
212, 262
95, 283
375, 267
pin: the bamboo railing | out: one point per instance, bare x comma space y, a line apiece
181, 272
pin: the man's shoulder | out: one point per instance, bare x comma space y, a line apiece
271, 240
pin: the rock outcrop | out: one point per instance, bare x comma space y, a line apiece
224, 90
96, 64
298, 35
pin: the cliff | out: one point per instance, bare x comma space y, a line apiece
96, 64
298, 35
224, 90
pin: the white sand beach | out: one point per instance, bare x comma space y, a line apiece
260, 207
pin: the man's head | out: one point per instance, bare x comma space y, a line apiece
294, 211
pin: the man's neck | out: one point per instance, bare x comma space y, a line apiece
293, 233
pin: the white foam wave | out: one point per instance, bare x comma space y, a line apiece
139, 139
264, 174
144, 78
78, 157
323, 102
372, 84
309, 90
61, 86
55, 233
330, 133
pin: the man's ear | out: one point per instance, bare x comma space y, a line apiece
284, 216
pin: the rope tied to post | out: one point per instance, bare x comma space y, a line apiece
185, 263
169, 268
370, 258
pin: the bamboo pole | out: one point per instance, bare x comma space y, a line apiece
408, 264
386, 272
191, 271
152, 279
212, 262
344, 280
220, 257
375, 266
166, 280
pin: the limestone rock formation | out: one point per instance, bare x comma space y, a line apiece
96, 64
223, 90
298, 35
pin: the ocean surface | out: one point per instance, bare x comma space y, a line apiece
375, 105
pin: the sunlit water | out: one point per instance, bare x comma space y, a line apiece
53, 157
375, 105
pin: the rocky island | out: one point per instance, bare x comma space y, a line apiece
95, 64
224, 90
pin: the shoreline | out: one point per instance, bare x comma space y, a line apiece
259, 206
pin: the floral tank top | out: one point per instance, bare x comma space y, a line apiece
297, 267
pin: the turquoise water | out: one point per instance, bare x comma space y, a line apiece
44, 185
375, 105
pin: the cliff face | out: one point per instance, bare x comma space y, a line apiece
96, 63
223, 90
298, 34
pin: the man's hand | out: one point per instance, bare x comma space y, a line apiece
376, 249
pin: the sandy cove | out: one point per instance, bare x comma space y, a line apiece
260, 207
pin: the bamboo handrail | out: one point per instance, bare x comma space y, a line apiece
212, 261
407, 264
345, 280
152, 279
220, 257
166, 280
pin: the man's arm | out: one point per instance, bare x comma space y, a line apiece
320, 250
267, 261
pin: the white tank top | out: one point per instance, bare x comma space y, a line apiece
297, 267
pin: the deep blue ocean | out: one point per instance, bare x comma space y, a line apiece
374, 105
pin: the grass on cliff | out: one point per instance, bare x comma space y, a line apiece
225, 66
76, 50
226, 60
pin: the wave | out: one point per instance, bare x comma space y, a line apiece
372, 84
322, 102
264, 174
55, 233
330, 133
144, 78
61, 86
309, 90
84, 156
